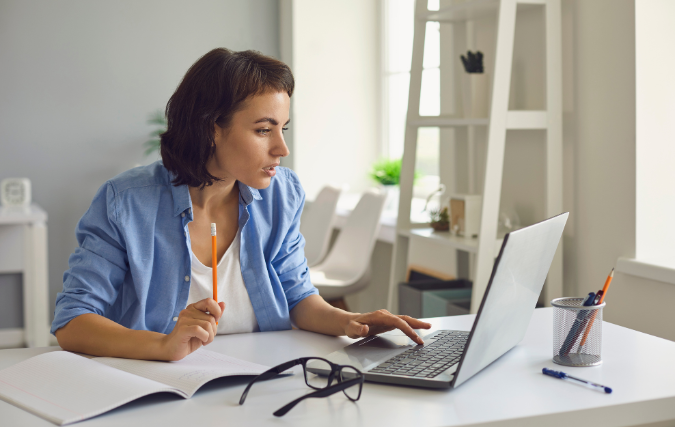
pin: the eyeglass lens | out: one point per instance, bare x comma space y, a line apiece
348, 373
317, 381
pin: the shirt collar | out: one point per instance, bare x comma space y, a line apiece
180, 195
182, 201
248, 194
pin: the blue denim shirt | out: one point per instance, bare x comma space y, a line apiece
133, 262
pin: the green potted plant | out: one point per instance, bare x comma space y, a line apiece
387, 173
475, 89
440, 219
159, 120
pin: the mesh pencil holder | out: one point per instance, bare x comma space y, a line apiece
577, 332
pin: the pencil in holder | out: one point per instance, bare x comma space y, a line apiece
577, 332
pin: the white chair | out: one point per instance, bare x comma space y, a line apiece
346, 269
317, 224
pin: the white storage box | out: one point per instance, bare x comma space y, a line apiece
465, 214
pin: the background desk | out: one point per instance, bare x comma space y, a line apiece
510, 392
23, 249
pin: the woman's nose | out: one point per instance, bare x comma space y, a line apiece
280, 148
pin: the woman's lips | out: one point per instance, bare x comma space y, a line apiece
270, 171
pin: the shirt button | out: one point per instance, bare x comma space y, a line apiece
175, 319
183, 214
187, 278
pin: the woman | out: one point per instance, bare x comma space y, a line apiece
139, 284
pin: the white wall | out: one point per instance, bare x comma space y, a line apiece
655, 149
599, 82
599, 150
599, 156
600, 133
78, 79
336, 105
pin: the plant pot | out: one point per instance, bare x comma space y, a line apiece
440, 226
476, 95
393, 193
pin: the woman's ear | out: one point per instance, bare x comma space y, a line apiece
219, 132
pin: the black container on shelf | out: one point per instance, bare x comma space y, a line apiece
434, 297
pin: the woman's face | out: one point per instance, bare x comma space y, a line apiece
250, 148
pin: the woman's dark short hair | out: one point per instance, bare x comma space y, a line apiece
213, 89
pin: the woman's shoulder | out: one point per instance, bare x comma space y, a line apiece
287, 182
154, 174
141, 189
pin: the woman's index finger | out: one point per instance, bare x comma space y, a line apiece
415, 323
399, 323
209, 305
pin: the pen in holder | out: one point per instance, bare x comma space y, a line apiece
577, 332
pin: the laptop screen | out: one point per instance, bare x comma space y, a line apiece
517, 279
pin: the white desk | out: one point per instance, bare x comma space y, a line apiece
510, 392
23, 249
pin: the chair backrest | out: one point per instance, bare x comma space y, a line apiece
350, 255
317, 224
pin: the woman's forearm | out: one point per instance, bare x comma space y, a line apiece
315, 314
98, 336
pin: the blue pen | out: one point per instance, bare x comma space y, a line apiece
577, 326
564, 376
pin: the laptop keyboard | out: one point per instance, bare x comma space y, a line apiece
427, 361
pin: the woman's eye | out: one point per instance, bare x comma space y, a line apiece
283, 129
264, 132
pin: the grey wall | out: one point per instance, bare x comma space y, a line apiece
78, 79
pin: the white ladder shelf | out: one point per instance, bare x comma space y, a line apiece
500, 120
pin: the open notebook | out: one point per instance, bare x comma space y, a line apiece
64, 387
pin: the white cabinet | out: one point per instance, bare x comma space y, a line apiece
23, 249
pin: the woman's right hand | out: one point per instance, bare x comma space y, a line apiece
193, 329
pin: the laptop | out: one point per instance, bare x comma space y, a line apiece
449, 358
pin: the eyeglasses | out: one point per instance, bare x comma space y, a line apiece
349, 380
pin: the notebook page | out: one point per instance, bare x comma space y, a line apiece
64, 388
187, 374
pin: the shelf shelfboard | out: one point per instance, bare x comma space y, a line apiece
502, 14
524, 119
446, 121
468, 244
471, 10
515, 119
466, 11
10, 215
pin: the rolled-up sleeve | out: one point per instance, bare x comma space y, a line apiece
98, 266
290, 263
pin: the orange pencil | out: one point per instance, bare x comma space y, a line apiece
602, 298
214, 262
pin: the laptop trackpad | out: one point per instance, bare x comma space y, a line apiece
371, 351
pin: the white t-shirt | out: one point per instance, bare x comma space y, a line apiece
238, 316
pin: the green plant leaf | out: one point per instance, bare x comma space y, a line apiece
158, 120
388, 172
151, 146
439, 216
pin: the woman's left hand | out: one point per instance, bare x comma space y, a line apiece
377, 322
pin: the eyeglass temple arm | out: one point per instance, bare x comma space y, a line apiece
271, 373
319, 393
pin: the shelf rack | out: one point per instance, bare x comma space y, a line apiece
501, 119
